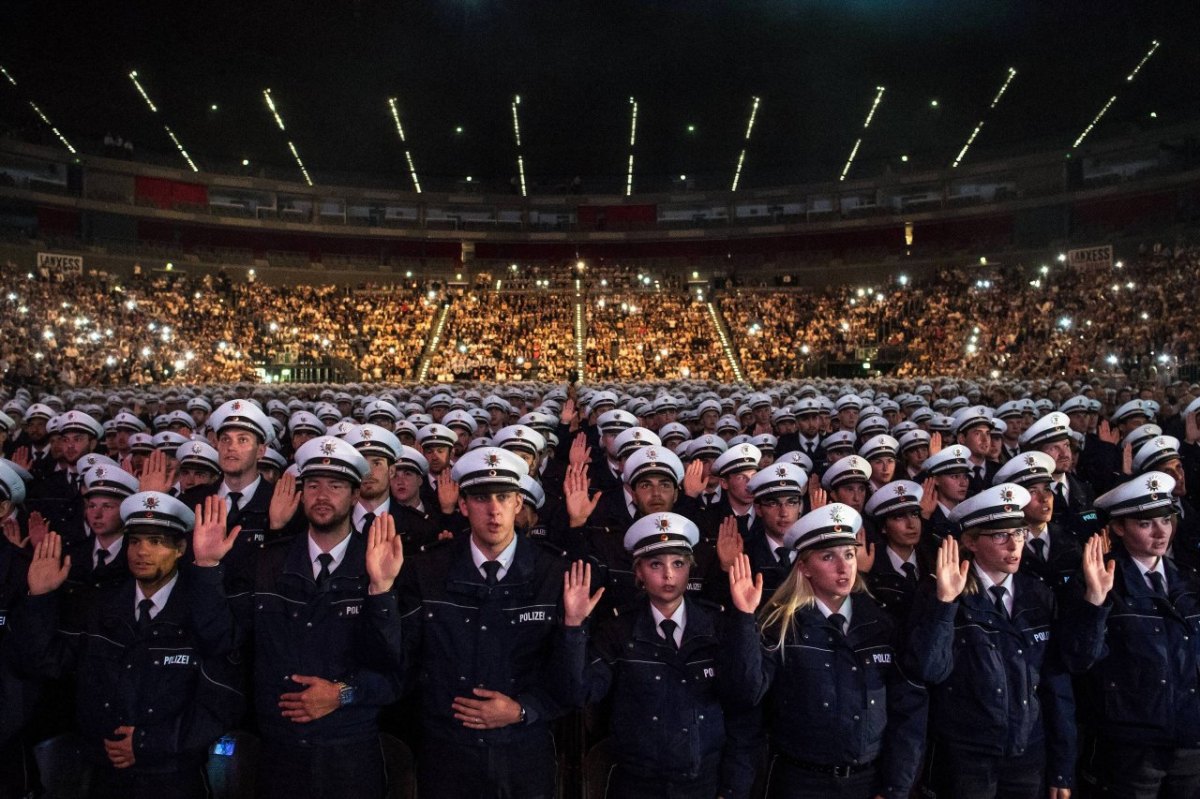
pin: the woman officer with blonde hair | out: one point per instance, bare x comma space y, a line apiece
844, 721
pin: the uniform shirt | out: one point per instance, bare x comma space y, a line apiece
1044, 535
1146, 570
338, 552
159, 599
381, 509
630, 505
776, 543
112, 549
679, 617
1059, 482
247, 492
986, 584
505, 558
898, 562
711, 497
847, 610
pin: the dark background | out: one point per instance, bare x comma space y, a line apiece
332, 66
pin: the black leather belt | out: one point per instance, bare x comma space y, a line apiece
828, 769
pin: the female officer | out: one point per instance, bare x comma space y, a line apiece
899, 563
672, 733
844, 721
1002, 716
1131, 624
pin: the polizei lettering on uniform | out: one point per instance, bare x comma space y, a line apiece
531, 615
177, 660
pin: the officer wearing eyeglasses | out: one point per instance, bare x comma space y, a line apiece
1002, 714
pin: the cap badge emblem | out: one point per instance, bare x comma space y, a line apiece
835, 516
781, 472
492, 459
151, 503
1030, 460
196, 448
1153, 485
900, 490
1006, 495
237, 406
651, 454
328, 447
637, 435
366, 432
745, 449
100, 471
663, 523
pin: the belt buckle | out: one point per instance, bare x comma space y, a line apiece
842, 771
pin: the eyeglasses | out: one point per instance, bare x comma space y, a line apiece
1004, 536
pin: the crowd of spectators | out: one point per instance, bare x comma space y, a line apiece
63, 330
652, 336
503, 336
1050, 320
1034, 319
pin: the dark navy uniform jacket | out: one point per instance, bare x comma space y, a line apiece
835, 700
997, 685
460, 634
672, 714
336, 631
174, 683
1061, 563
1140, 656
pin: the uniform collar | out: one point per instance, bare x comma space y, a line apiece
338, 553
505, 558
160, 598
897, 562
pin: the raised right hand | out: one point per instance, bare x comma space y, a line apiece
1097, 575
951, 572
210, 542
745, 590
729, 543
284, 501
577, 604
575, 489
48, 569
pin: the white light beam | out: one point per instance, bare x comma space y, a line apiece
291, 145
879, 90
1012, 73
1128, 79
737, 174
133, 76
412, 170
633, 114
517, 134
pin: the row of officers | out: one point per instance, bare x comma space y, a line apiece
873, 638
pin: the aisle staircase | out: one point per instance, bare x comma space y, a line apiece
435, 335
580, 330
735, 364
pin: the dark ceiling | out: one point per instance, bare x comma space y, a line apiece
332, 65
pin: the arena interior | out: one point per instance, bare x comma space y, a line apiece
851, 349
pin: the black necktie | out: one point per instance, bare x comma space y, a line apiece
783, 554
143, 614
491, 570
323, 574
910, 571
839, 623
1157, 583
367, 521
998, 592
235, 501
76, 479
1060, 497
101, 558
979, 474
668, 628
1039, 548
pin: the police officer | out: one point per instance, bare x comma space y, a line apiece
843, 719
380, 448
325, 630
243, 432
899, 562
1131, 629
675, 729
778, 493
480, 615
1002, 714
1072, 495
1052, 554
153, 683
417, 523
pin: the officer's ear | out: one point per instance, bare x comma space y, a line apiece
6, 507
181, 546
262, 449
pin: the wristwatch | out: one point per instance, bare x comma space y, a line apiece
346, 694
